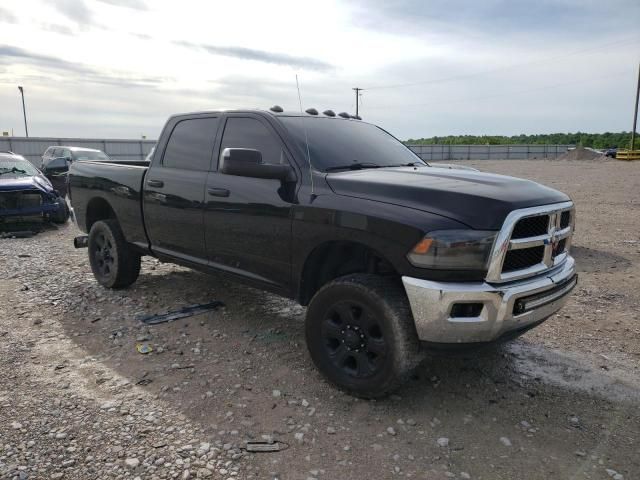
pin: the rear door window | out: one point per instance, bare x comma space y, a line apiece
190, 145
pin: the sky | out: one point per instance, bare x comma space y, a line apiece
119, 68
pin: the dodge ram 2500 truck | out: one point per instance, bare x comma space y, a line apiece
391, 255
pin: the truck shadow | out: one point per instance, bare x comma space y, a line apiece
222, 368
594, 260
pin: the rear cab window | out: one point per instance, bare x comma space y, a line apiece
190, 146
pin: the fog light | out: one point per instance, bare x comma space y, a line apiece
466, 310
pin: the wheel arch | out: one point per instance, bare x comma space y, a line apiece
335, 258
98, 209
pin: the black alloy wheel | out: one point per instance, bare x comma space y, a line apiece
102, 253
353, 339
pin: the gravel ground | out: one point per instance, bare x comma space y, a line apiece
77, 400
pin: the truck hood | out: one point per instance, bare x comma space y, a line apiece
477, 199
10, 183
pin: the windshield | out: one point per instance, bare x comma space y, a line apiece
17, 168
89, 155
342, 144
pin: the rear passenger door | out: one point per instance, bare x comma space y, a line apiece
174, 190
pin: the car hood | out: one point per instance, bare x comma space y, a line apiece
13, 184
477, 199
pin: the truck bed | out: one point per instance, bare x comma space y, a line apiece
119, 183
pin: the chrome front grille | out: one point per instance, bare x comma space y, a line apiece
531, 241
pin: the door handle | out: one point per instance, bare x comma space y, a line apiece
218, 192
155, 183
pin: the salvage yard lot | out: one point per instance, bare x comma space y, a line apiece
77, 400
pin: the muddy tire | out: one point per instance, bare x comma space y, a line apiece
113, 263
361, 335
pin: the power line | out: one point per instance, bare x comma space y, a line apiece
508, 67
497, 95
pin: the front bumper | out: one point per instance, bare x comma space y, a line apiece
497, 309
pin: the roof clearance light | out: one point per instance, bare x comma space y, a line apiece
277, 109
329, 113
311, 111
344, 115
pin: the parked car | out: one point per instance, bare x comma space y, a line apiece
611, 152
72, 154
26, 195
56, 161
392, 256
56, 171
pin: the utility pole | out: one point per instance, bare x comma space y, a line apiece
357, 90
635, 113
24, 111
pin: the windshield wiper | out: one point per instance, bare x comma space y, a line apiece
13, 170
410, 164
353, 166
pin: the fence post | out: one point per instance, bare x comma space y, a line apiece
141, 151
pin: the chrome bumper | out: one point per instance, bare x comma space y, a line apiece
431, 304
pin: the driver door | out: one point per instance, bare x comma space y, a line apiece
248, 220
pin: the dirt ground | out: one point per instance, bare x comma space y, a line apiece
77, 400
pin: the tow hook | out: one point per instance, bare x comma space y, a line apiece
81, 241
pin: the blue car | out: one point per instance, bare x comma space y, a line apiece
26, 195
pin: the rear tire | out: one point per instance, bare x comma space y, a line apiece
361, 335
113, 263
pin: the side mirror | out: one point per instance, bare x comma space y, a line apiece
246, 162
58, 165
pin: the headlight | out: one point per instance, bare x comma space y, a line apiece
453, 250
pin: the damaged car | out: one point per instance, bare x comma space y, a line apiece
26, 195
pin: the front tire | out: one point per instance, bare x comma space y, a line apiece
113, 263
361, 335
62, 214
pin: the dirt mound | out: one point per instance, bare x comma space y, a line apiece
580, 153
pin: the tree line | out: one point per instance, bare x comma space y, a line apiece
593, 140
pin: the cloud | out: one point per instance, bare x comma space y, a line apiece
12, 55
55, 28
141, 36
7, 17
75, 10
134, 4
262, 56
497, 18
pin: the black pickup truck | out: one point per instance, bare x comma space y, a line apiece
392, 256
